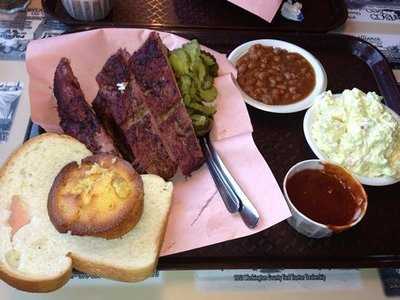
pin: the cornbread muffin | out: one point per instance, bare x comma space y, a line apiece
102, 197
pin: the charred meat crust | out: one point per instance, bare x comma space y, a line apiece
102, 110
150, 68
129, 113
115, 70
76, 117
123, 112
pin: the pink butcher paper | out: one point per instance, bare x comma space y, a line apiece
265, 9
198, 216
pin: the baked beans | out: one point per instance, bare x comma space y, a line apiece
275, 76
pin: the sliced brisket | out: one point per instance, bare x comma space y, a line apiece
125, 110
114, 71
102, 110
76, 117
150, 68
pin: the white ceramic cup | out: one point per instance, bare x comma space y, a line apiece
88, 10
304, 224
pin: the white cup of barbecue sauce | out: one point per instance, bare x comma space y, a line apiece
324, 198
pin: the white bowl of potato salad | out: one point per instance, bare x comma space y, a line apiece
355, 130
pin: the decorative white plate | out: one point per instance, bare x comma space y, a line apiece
320, 76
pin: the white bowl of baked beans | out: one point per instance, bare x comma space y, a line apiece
277, 76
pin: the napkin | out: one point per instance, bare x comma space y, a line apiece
265, 9
198, 217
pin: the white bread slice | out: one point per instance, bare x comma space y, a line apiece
40, 259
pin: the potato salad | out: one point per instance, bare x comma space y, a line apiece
357, 131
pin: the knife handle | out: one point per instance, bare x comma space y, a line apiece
230, 199
247, 210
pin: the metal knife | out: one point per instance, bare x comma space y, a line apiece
231, 188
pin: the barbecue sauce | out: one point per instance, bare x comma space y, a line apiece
329, 196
